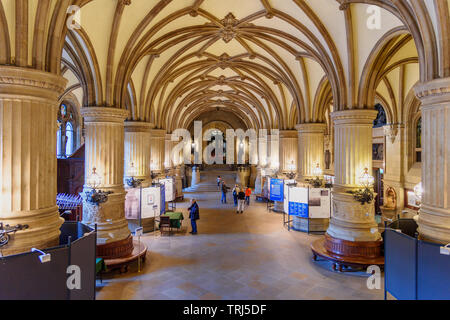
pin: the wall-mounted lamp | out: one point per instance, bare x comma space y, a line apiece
317, 171
94, 196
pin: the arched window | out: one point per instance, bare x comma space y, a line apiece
66, 135
381, 119
419, 140
70, 139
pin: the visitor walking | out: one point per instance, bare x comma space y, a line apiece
248, 193
194, 215
241, 201
224, 192
235, 194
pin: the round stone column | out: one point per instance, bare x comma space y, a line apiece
258, 181
157, 155
104, 145
288, 150
310, 149
195, 176
434, 216
353, 230
137, 149
28, 124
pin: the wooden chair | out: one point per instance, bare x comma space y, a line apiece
164, 223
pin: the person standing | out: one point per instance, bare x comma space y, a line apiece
219, 180
224, 192
235, 194
241, 201
194, 215
248, 193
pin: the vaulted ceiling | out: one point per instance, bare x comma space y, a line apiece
272, 63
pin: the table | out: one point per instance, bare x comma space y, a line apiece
175, 219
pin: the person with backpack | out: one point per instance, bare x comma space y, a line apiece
241, 201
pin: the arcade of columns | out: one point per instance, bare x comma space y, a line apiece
30, 93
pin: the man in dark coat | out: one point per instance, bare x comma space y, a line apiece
194, 215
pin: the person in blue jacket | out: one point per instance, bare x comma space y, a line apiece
194, 215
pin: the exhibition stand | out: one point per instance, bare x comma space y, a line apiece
66, 272
144, 205
307, 209
414, 269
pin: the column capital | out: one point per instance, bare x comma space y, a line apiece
354, 117
158, 133
288, 134
311, 127
433, 92
138, 126
24, 82
104, 114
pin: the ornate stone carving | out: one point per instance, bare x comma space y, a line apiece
228, 32
391, 131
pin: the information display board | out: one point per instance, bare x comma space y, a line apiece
288, 184
132, 203
298, 202
276, 190
153, 201
319, 203
170, 190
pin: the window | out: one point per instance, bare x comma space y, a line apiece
66, 135
381, 119
69, 139
419, 140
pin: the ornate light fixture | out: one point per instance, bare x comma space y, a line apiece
317, 182
317, 171
366, 180
291, 174
95, 197
132, 173
364, 195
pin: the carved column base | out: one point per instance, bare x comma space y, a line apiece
116, 249
342, 249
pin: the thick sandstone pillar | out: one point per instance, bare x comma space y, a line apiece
288, 150
258, 181
157, 138
310, 149
395, 170
195, 178
104, 144
137, 149
28, 113
434, 216
352, 221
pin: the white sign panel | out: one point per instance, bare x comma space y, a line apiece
319, 203
151, 202
170, 189
286, 194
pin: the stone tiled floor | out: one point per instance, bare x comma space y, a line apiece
249, 256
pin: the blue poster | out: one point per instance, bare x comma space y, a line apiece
299, 209
163, 198
277, 190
